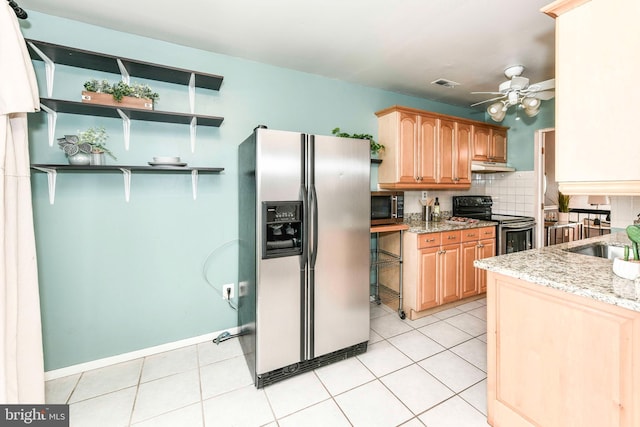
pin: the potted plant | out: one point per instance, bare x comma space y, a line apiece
563, 207
136, 95
625, 267
375, 147
86, 148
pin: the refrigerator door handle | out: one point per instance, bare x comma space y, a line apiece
305, 227
314, 227
313, 202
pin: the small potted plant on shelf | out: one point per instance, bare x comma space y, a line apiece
136, 95
86, 148
563, 207
375, 147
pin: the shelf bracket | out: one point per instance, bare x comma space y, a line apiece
194, 183
126, 174
52, 117
51, 180
123, 70
194, 123
126, 127
49, 67
192, 93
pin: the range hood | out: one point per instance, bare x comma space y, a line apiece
490, 167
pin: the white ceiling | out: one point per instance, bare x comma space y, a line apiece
396, 45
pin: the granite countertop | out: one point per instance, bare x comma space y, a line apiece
578, 274
421, 227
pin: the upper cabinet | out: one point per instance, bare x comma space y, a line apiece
425, 150
597, 150
489, 144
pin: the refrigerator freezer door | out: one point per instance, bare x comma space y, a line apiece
278, 291
341, 288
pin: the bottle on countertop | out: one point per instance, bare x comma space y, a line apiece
435, 215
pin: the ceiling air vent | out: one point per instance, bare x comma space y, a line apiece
445, 83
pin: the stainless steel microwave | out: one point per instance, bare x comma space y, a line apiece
387, 207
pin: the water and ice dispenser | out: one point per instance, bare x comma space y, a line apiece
282, 229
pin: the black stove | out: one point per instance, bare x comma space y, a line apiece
479, 207
515, 233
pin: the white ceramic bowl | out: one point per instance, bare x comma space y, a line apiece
166, 159
626, 269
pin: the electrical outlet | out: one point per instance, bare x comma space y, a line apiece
227, 291
423, 196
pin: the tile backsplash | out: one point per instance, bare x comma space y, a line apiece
512, 193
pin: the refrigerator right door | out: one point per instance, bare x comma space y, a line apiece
341, 288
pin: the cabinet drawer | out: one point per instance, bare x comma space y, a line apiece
428, 240
470, 234
449, 237
486, 233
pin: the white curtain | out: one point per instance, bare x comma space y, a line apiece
21, 360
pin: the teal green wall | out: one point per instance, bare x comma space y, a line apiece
117, 277
521, 134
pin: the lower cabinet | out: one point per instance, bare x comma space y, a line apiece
438, 267
556, 359
476, 244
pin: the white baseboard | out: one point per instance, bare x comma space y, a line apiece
125, 357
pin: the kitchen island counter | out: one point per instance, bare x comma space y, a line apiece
563, 339
582, 275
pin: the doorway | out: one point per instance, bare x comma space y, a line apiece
544, 171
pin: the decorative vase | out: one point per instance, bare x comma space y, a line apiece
80, 159
98, 159
563, 217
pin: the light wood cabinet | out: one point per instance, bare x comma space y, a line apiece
423, 150
438, 267
489, 144
596, 143
477, 243
439, 273
431, 270
454, 153
556, 359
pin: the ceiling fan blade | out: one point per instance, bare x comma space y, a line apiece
544, 85
544, 96
488, 100
519, 83
487, 93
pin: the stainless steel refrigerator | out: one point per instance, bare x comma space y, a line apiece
304, 207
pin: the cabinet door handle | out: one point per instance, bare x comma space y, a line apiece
430, 240
481, 245
451, 237
470, 234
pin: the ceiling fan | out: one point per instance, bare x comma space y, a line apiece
518, 91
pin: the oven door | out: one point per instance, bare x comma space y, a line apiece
515, 237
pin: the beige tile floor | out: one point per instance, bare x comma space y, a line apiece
429, 372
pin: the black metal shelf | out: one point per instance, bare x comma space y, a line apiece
118, 168
52, 170
83, 108
109, 63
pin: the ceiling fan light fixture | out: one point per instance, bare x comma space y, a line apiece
530, 103
497, 111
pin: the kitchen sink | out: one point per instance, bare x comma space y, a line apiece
601, 250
